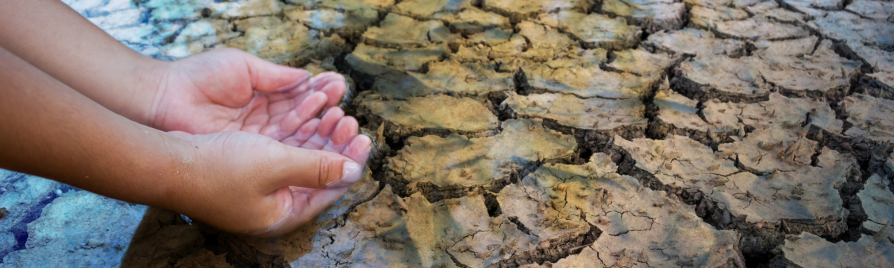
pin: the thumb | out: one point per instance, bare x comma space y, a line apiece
316, 169
269, 77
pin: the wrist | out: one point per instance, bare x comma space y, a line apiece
178, 161
150, 77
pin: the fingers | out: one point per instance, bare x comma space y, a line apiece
332, 84
358, 149
304, 133
312, 169
300, 205
345, 130
297, 208
282, 126
269, 77
327, 126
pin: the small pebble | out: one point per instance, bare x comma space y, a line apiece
59, 192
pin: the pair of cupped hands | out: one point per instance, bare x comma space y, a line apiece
273, 148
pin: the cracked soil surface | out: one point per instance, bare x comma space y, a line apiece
546, 133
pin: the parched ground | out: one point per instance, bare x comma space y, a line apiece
526, 133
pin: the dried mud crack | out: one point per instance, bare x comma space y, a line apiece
561, 133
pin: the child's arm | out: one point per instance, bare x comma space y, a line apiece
236, 181
57, 40
201, 94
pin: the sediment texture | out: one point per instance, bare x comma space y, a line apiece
554, 133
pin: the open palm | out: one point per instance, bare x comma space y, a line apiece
229, 90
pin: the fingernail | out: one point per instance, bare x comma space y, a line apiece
350, 174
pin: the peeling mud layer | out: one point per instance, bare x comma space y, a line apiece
808, 250
537, 133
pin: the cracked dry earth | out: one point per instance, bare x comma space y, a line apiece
553, 133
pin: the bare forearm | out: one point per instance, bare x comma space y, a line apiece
55, 39
52, 131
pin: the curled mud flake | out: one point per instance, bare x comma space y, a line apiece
878, 204
652, 15
842, 25
882, 63
870, 117
809, 250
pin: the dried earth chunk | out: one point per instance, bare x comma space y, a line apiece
518, 10
489, 37
796, 47
776, 149
398, 31
637, 224
710, 3
469, 235
716, 76
822, 73
710, 17
845, 26
456, 163
423, 9
802, 198
641, 62
473, 20
587, 82
595, 30
378, 233
870, 117
377, 61
443, 77
652, 15
391, 231
808, 250
759, 27
546, 42
694, 42
778, 111
878, 203
350, 22
604, 115
877, 10
275, 40
816, 4
680, 112
429, 114
882, 63
344, 4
